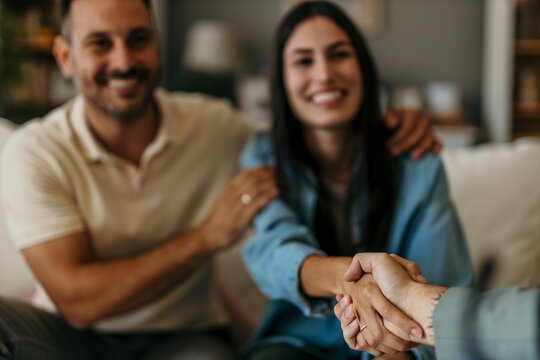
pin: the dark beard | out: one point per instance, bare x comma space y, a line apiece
129, 116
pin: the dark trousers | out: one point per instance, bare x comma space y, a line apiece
278, 351
27, 333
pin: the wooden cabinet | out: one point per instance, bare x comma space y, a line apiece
526, 74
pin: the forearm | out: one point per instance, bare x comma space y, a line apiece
88, 290
322, 276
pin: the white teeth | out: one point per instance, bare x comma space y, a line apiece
327, 96
121, 83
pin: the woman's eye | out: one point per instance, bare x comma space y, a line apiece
303, 62
340, 54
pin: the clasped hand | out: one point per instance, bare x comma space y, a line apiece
369, 319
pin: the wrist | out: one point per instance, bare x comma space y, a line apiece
205, 236
341, 286
322, 276
420, 302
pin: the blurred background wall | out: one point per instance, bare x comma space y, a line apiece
420, 40
473, 65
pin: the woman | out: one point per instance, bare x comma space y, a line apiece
341, 192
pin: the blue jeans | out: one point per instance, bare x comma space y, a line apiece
27, 333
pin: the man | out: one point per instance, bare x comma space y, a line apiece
463, 323
119, 198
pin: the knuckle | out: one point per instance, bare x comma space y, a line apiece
385, 309
371, 289
361, 343
403, 345
348, 332
381, 257
337, 313
377, 337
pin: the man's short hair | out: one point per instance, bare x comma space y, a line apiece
65, 6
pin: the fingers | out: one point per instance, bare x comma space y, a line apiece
252, 190
240, 200
424, 145
344, 311
377, 336
356, 340
407, 120
392, 314
414, 132
437, 146
411, 267
391, 344
259, 195
349, 326
391, 119
415, 127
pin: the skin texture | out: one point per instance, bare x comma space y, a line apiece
113, 56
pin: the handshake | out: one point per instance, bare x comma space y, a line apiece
388, 307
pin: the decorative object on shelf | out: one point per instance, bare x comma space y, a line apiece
211, 47
368, 14
444, 103
253, 95
528, 92
210, 60
406, 97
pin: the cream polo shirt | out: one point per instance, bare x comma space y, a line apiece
57, 180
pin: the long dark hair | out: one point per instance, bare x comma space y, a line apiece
373, 165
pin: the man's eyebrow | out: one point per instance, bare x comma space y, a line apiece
143, 29
95, 34
101, 34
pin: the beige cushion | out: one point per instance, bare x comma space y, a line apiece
496, 190
15, 277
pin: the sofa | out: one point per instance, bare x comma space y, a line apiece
496, 191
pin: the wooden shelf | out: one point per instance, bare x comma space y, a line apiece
524, 111
527, 47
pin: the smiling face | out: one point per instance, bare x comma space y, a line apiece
112, 55
321, 74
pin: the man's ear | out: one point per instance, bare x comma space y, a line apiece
61, 51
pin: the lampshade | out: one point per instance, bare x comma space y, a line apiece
211, 46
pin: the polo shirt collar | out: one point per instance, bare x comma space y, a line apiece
91, 147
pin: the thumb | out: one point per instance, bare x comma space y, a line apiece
411, 267
354, 272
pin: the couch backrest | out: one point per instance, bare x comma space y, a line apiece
15, 277
496, 191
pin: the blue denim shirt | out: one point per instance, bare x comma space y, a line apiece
425, 229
